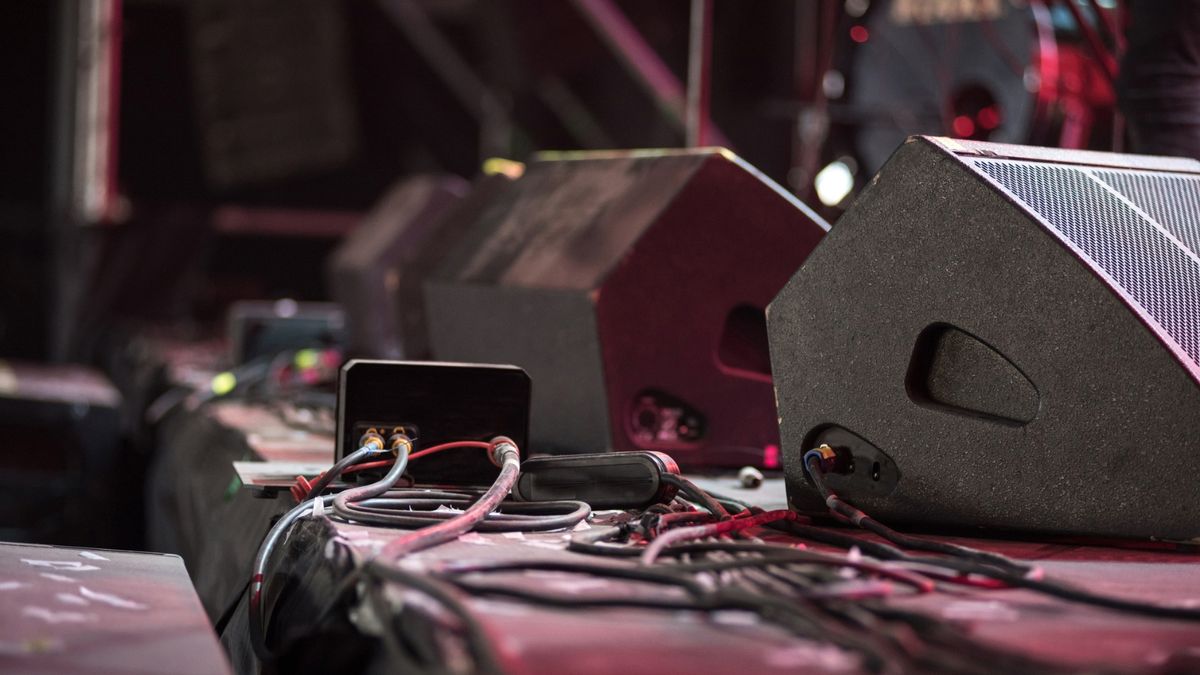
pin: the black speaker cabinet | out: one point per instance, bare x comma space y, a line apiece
375, 274
1004, 337
631, 286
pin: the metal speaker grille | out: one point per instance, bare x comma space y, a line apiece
1174, 201
1152, 269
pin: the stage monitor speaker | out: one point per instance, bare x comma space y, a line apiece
261, 330
374, 266
1003, 337
631, 286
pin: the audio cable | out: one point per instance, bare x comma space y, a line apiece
381, 503
1000, 568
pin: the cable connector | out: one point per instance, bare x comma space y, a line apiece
502, 448
827, 459
399, 443
371, 438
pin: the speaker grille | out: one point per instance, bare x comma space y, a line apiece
1159, 275
1174, 201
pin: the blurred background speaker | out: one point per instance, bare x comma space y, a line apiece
375, 273
631, 287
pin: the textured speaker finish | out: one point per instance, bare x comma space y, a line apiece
957, 371
611, 278
549, 332
1037, 255
375, 274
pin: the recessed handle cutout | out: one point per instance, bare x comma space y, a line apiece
743, 349
955, 371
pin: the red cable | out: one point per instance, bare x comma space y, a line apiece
715, 529
305, 485
377, 464
448, 530
482, 445
665, 539
677, 517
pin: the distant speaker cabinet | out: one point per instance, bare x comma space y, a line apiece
1003, 337
631, 286
375, 273
259, 330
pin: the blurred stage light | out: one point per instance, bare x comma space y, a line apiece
834, 182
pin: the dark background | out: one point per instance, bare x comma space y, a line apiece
252, 134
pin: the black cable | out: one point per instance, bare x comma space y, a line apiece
592, 542
258, 578
380, 503
770, 608
872, 548
397, 651
641, 574
974, 562
963, 649
784, 613
372, 572
589, 541
693, 492
810, 614
575, 602
477, 642
1063, 591
836, 504
991, 565
418, 508
315, 506
340, 466
740, 505
1066, 592
808, 620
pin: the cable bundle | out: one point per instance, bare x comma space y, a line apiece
381, 503
698, 554
688, 551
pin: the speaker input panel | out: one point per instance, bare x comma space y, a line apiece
863, 469
658, 420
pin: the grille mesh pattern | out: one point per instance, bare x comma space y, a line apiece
1147, 264
1174, 201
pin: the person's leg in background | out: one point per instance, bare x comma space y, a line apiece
1158, 88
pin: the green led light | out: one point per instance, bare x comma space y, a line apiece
307, 358
499, 165
224, 383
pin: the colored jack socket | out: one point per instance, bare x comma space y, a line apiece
371, 439
398, 437
834, 460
